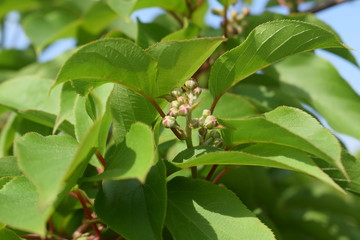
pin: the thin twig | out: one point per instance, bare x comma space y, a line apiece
225, 22
213, 105
220, 175
211, 172
177, 18
87, 213
100, 158
326, 5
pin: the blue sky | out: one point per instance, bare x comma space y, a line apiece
343, 18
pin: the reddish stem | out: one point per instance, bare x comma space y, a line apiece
213, 105
100, 158
225, 22
220, 175
87, 213
211, 172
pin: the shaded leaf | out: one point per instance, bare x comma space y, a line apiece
140, 205
9, 167
8, 234
196, 210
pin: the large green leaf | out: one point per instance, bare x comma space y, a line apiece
9, 167
179, 60
201, 210
134, 157
14, 59
255, 20
265, 45
111, 60
128, 107
8, 234
289, 127
19, 203
267, 155
141, 206
316, 82
45, 161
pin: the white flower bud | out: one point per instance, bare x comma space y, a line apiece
191, 84
173, 112
169, 122
206, 113
175, 104
210, 122
184, 109
176, 92
197, 91
182, 100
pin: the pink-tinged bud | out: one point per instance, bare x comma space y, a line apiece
215, 134
173, 112
206, 113
184, 109
210, 122
175, 104
169, 122
197, 91
195, 123
176, 92
191, 84
218, 142
182, 100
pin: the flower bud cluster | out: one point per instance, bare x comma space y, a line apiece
212, 139
183, 103
207, 120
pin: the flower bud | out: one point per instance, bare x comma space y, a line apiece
173, 112
195, 123
182, 100
184, 109
218, 142
191, 84
174, 104
169, 121
210, 122
215, 134
176, 92
206, 113
197, 91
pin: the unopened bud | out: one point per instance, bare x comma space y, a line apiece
195, 123
218, 142
184, 109
210, 122
169, 122
176, 92
205, 113
202, 131
197, 91
215, 134
175, 104
182, 100
173, 112
191, 84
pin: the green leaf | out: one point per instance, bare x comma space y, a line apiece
141, 206
111, 60
123, 7
255, 20
179, 60
19, 203
267, 155
178, 6
150, 33
188, 32
14, 59
134, 157
82, 119
196, 210
45, 161
8, 234
289, 127
9, 167
44, 26
316, 82
128, 107
265, 45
